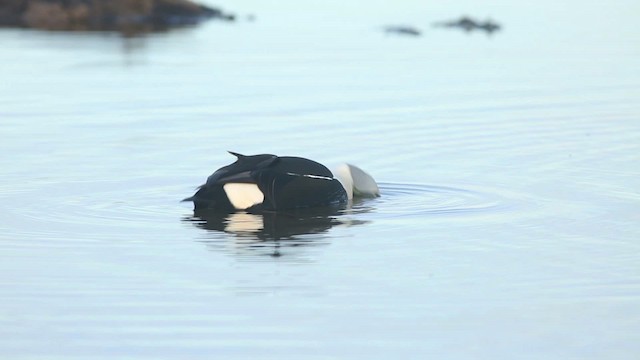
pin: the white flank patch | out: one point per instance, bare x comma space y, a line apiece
243, 196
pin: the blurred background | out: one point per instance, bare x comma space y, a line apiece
505, 137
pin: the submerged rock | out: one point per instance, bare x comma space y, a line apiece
119, 15
468, 24
402, 30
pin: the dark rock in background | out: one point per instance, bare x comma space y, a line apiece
468, 24
402, 30
111, 15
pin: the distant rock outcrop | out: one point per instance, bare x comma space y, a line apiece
468, 24
119, 15
402, 30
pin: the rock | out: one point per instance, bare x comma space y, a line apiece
119, 15
468, 24
402, 30
49, 16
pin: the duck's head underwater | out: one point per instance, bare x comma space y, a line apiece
272, 183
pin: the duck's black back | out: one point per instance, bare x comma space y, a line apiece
286, 182
294, 182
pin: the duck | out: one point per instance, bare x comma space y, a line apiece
267, 182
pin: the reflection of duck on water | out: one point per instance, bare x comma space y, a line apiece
272, 230
271, 225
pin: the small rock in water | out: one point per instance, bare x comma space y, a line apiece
469, 24
402, 30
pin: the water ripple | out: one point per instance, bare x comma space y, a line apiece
279, 234
81, 211
431, 200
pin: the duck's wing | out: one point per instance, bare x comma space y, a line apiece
300, 166
294, 182
241, 170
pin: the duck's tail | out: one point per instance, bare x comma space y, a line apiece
356, 182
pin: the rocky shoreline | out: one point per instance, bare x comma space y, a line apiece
105, 15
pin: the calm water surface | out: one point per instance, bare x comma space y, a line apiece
509, 166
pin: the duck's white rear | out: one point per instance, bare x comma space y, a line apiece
356, 182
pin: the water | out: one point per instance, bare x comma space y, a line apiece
509, 170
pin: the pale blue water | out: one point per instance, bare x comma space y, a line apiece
509, 167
